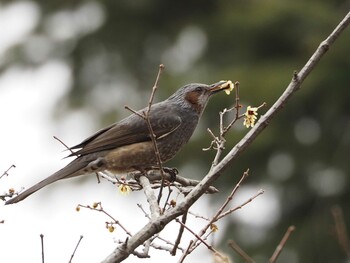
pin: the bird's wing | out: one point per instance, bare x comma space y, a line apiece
131, 130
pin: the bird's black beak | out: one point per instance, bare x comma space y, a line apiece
226, 85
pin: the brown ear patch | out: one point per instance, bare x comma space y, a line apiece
193, 97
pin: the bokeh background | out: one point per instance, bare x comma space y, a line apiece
67, 68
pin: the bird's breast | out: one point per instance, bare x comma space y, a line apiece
140, 156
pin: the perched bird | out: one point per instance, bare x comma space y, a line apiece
126, 145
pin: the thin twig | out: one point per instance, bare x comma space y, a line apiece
135, 112
179, 236
219, 212
220, 141
185, 253
160, 247
281, 245
6, 172
240, 251
216, 253
146, 116
98, 207
144, 212
229, 198
42, 248
153, 136
260, 192
75, 249
341, 231
199, 216
65, 145
168, 197
237, 116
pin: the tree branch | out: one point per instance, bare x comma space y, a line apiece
156, 225
281, 244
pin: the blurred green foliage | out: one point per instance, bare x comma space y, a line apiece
258, 43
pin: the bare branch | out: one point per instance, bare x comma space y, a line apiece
178, 239
155, 226
144, 212
6, 172
216, 253
341, 231
281, 244
168, 243
151, 198
146, 116
42, 248
237, 106
260, 192
75, 249
98, 207
153, 136
240, 251
65, 145
215, 218
135, 112
185, 253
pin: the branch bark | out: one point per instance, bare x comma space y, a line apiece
157, 224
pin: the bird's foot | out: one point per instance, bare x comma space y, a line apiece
172, 172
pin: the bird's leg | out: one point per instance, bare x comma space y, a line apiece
109, 176
97, 177
139, 173
172, 172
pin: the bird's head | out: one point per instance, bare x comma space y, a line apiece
196, 95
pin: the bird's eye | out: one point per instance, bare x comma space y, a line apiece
198, 89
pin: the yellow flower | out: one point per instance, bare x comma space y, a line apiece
111, 228
124, 189
214, 227
229, 86
250, 116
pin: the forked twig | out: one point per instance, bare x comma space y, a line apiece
260, 192
215, 218
224, 130
216, 253
98, 207
6, 172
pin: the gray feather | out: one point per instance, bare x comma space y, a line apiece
71, 170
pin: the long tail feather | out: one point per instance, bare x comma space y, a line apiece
71, 170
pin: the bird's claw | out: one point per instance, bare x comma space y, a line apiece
172, 172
